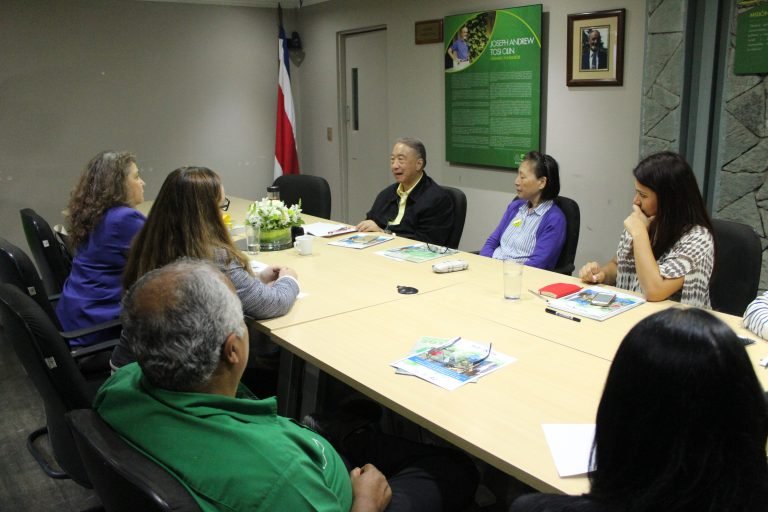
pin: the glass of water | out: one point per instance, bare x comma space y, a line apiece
513, 279
253, 238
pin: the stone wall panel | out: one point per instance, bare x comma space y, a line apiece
749, 108
734, 185
738, 139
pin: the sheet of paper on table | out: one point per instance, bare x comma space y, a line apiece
571, 446
258, 266
327, 229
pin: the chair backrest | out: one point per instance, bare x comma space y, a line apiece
565, 263
459, 215
65, 241
124, 478
313, 191
48, 253
51, 368
737, 247
17, 269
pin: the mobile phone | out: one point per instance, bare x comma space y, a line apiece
603, 299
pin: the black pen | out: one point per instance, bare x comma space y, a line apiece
561, 315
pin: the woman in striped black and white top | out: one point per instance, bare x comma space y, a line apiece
532, 230
666, 250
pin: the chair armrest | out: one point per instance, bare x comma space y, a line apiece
54, 299
81, 352
69, 335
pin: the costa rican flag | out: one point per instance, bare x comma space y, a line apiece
286, 158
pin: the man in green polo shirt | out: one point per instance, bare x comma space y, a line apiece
183, 405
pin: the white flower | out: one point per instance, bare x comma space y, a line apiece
272, 214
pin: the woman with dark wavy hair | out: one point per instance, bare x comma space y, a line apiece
681, 427
101, 221
666, 250
185, 222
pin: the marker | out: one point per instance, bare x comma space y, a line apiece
561, 315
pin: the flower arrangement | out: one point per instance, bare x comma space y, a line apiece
272, 215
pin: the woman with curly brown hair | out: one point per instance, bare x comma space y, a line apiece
102, 222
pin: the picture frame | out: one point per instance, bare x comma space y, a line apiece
595, 55
428, 31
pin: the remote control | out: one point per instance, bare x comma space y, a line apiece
450, 266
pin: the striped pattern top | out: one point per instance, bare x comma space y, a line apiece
756, 316
519, 239
691, 257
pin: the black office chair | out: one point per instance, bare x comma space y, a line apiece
737, 246
565, 263
17, 269
313, 192
52, 259
55, 375
460, 215
124, 478
65, 241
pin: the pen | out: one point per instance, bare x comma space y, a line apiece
538, 295
561, 315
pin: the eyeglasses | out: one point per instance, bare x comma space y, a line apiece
439, 249
462, 366
225, 206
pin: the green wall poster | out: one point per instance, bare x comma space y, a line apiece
752, 41
493, 86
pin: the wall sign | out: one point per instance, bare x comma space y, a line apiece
752, 41
493, 86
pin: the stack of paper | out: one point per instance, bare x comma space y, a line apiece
451, 363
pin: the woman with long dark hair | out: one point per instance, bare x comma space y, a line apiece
666, 250
185, 222
101, 221
681, 427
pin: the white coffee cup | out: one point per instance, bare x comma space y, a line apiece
303, 244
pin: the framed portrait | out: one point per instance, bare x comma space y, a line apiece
595, 54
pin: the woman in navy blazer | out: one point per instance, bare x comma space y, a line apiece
102, 221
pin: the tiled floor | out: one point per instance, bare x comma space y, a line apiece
23, 485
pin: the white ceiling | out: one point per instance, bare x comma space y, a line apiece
287, 4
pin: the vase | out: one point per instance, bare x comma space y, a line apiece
275, 239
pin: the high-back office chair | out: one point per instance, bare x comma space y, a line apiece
460, 215
65, 240
124, 478
565, 263
17, 269
313, 192
737, 247
50, 256
55, 375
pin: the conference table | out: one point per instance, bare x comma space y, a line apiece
351, 322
